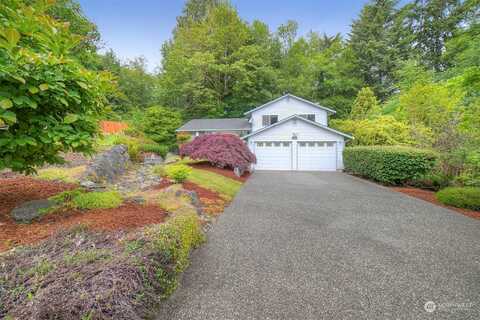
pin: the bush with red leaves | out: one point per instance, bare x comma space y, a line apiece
220, 149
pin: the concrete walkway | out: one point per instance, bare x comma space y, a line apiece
298, 245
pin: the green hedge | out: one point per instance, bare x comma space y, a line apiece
388, 164
468, 197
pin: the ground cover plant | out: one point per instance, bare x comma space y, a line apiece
466, 197
70, 276
70, 175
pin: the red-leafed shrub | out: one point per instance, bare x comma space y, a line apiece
220, 149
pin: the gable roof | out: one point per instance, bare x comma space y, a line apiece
288, 95
232, 124
296, 116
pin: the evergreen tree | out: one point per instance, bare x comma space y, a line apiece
371, 41
365, 105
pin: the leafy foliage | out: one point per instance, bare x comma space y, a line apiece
384, 130
223, 150
468, 197
389, 165
47, 99
365, 105
177, 172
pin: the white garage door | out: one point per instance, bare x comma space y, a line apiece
273, 155
316, 155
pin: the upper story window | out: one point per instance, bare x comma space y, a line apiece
269, 119
310, 117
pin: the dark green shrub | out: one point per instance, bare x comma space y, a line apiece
468, 197
133, 145
389, 165
161, 150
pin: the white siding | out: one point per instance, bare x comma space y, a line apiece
285, 108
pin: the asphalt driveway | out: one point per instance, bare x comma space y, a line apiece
298, 245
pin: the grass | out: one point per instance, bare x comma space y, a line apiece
69, 175
97, 200
224, 186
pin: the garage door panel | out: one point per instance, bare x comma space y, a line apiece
316, 156
273, 155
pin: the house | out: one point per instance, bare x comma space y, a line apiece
288, 133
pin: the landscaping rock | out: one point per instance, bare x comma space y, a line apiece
188, 198
171, 158
108, 165
152, 159
31, 210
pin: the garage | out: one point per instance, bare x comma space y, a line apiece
273, 155
316, 155
297, 144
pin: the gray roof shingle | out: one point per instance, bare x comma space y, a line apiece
216, 125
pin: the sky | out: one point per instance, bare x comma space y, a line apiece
135, 28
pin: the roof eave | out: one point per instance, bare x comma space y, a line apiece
295, 97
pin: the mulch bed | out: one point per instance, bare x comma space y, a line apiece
429, 196
13, 192
213, 203
224, 172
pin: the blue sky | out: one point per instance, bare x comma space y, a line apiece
139, 27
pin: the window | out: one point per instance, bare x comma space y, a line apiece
268, 144
302, 144
311, 144
269, 119
259, 144
310, 117
330, 144
277, 144
286, 144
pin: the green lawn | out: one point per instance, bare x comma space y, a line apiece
225, 186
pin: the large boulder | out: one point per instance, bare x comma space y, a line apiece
31, 210
108, 165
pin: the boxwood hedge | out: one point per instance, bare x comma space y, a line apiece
388, 164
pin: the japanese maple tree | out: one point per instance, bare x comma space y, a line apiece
222, 150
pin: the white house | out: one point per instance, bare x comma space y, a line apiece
288, 133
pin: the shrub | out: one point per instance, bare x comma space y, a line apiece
49, 101
160, 124
159, 170
155, 148
222, 150
468, 197
70, 175
432, 180
389, 165
178, 172
383, 130
97, 200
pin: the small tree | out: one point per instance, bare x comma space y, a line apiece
222, 150
365, 105
160, 124
49, 101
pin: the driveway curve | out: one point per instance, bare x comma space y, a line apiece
304, 245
